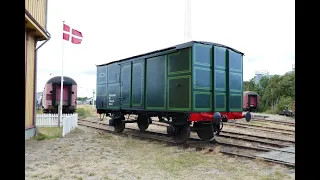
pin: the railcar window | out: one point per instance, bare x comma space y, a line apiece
48, 97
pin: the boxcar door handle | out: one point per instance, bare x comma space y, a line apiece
178, 85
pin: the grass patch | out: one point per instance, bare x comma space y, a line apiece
91, 174
48, 133
179, 161
85, 111
39, 111
276, 175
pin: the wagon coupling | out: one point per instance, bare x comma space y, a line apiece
247, 116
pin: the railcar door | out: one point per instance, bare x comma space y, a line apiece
138, 74
113, 87
125, 85
252, 101
66, 99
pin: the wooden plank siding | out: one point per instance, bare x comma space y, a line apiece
35, 31
29, 78
38, 10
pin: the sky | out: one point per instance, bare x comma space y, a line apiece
263, 30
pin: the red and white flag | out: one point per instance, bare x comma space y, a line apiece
76, 36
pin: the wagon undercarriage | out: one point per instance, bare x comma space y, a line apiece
179, 127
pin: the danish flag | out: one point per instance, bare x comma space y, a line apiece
76, 36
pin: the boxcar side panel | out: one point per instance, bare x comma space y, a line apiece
125, 85
156, 76
179, 80
101, 97
235, 81
138, 74
113, 86
219, 79
202, 78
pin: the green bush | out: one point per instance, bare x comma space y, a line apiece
272, 111
39, 111
83, 112
284, 102
261, 108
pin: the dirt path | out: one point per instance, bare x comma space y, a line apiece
90, 154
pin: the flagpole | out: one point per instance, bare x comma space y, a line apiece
61, 91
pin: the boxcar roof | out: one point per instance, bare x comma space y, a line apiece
176, 47
250, 92
57, 79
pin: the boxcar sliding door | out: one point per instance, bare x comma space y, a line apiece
125, 85
113, 88
138, 86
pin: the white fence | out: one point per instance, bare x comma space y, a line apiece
69, 121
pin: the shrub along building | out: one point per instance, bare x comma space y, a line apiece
35, 31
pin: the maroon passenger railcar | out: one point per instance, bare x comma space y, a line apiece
251, 101
51, 95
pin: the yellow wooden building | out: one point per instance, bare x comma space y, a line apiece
35, 31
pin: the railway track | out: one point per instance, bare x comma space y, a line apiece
274, 142
225, 147
251, 126
262, 128
277, 142
275, 122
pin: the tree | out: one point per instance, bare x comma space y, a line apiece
275, 92
284, 103
288, 85
249, 85
82, 98
263, 83
271, 94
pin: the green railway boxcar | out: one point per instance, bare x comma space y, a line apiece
195, 82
